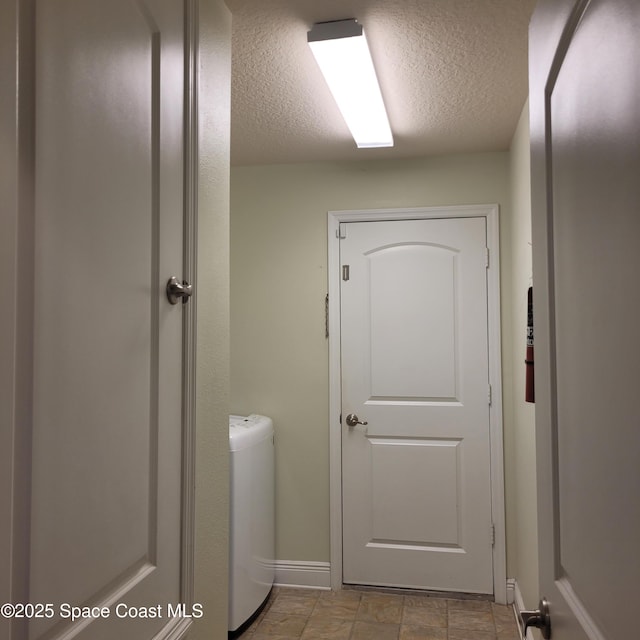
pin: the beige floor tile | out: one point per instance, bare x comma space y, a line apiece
469, 605
271, 636
505, 620
428, 602
347, 591
374, 631
300, 606
471, 620
424, 616
466, 634
413, 632
297, 594
502, 610
507, 629
337, 605
281, 625
344, 595
380, 608
320, 628
309, 614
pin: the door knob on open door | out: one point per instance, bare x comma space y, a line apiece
539, 618
177, 290
352, 420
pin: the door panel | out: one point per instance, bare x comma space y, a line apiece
416, 478
584, 111
106, 466
424, 463
402, 353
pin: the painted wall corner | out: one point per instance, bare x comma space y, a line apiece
523, 494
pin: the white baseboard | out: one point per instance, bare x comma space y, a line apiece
512, 587
303, 575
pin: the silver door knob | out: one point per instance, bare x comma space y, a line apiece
352, 420
177, 290
540, 619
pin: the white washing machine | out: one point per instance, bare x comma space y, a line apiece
252, 517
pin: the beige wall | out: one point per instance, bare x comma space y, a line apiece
279, 359
522, 452
212, 299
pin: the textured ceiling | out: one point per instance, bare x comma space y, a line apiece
453, 75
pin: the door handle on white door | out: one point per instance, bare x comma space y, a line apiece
353, 420
177, 290
540, 619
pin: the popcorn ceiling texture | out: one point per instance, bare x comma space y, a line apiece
453, 75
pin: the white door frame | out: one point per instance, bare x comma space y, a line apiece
491, 214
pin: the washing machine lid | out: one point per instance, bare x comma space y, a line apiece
245, 431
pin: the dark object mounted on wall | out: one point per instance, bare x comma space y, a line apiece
530, 395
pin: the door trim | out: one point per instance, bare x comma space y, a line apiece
189, 332
17, 251
491, 214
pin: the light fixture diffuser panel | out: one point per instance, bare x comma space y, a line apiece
346, 64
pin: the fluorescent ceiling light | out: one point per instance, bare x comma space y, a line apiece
341, 50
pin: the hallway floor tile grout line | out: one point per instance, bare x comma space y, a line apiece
310, 614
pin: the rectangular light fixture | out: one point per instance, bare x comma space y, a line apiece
341, 51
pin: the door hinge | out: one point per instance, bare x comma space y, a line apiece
489, 395
345, 272
492, 534
341, 231
326, 316
487, 258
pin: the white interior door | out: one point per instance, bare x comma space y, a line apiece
585, 128
107, 407
416, 478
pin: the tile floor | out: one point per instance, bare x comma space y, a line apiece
307, 614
